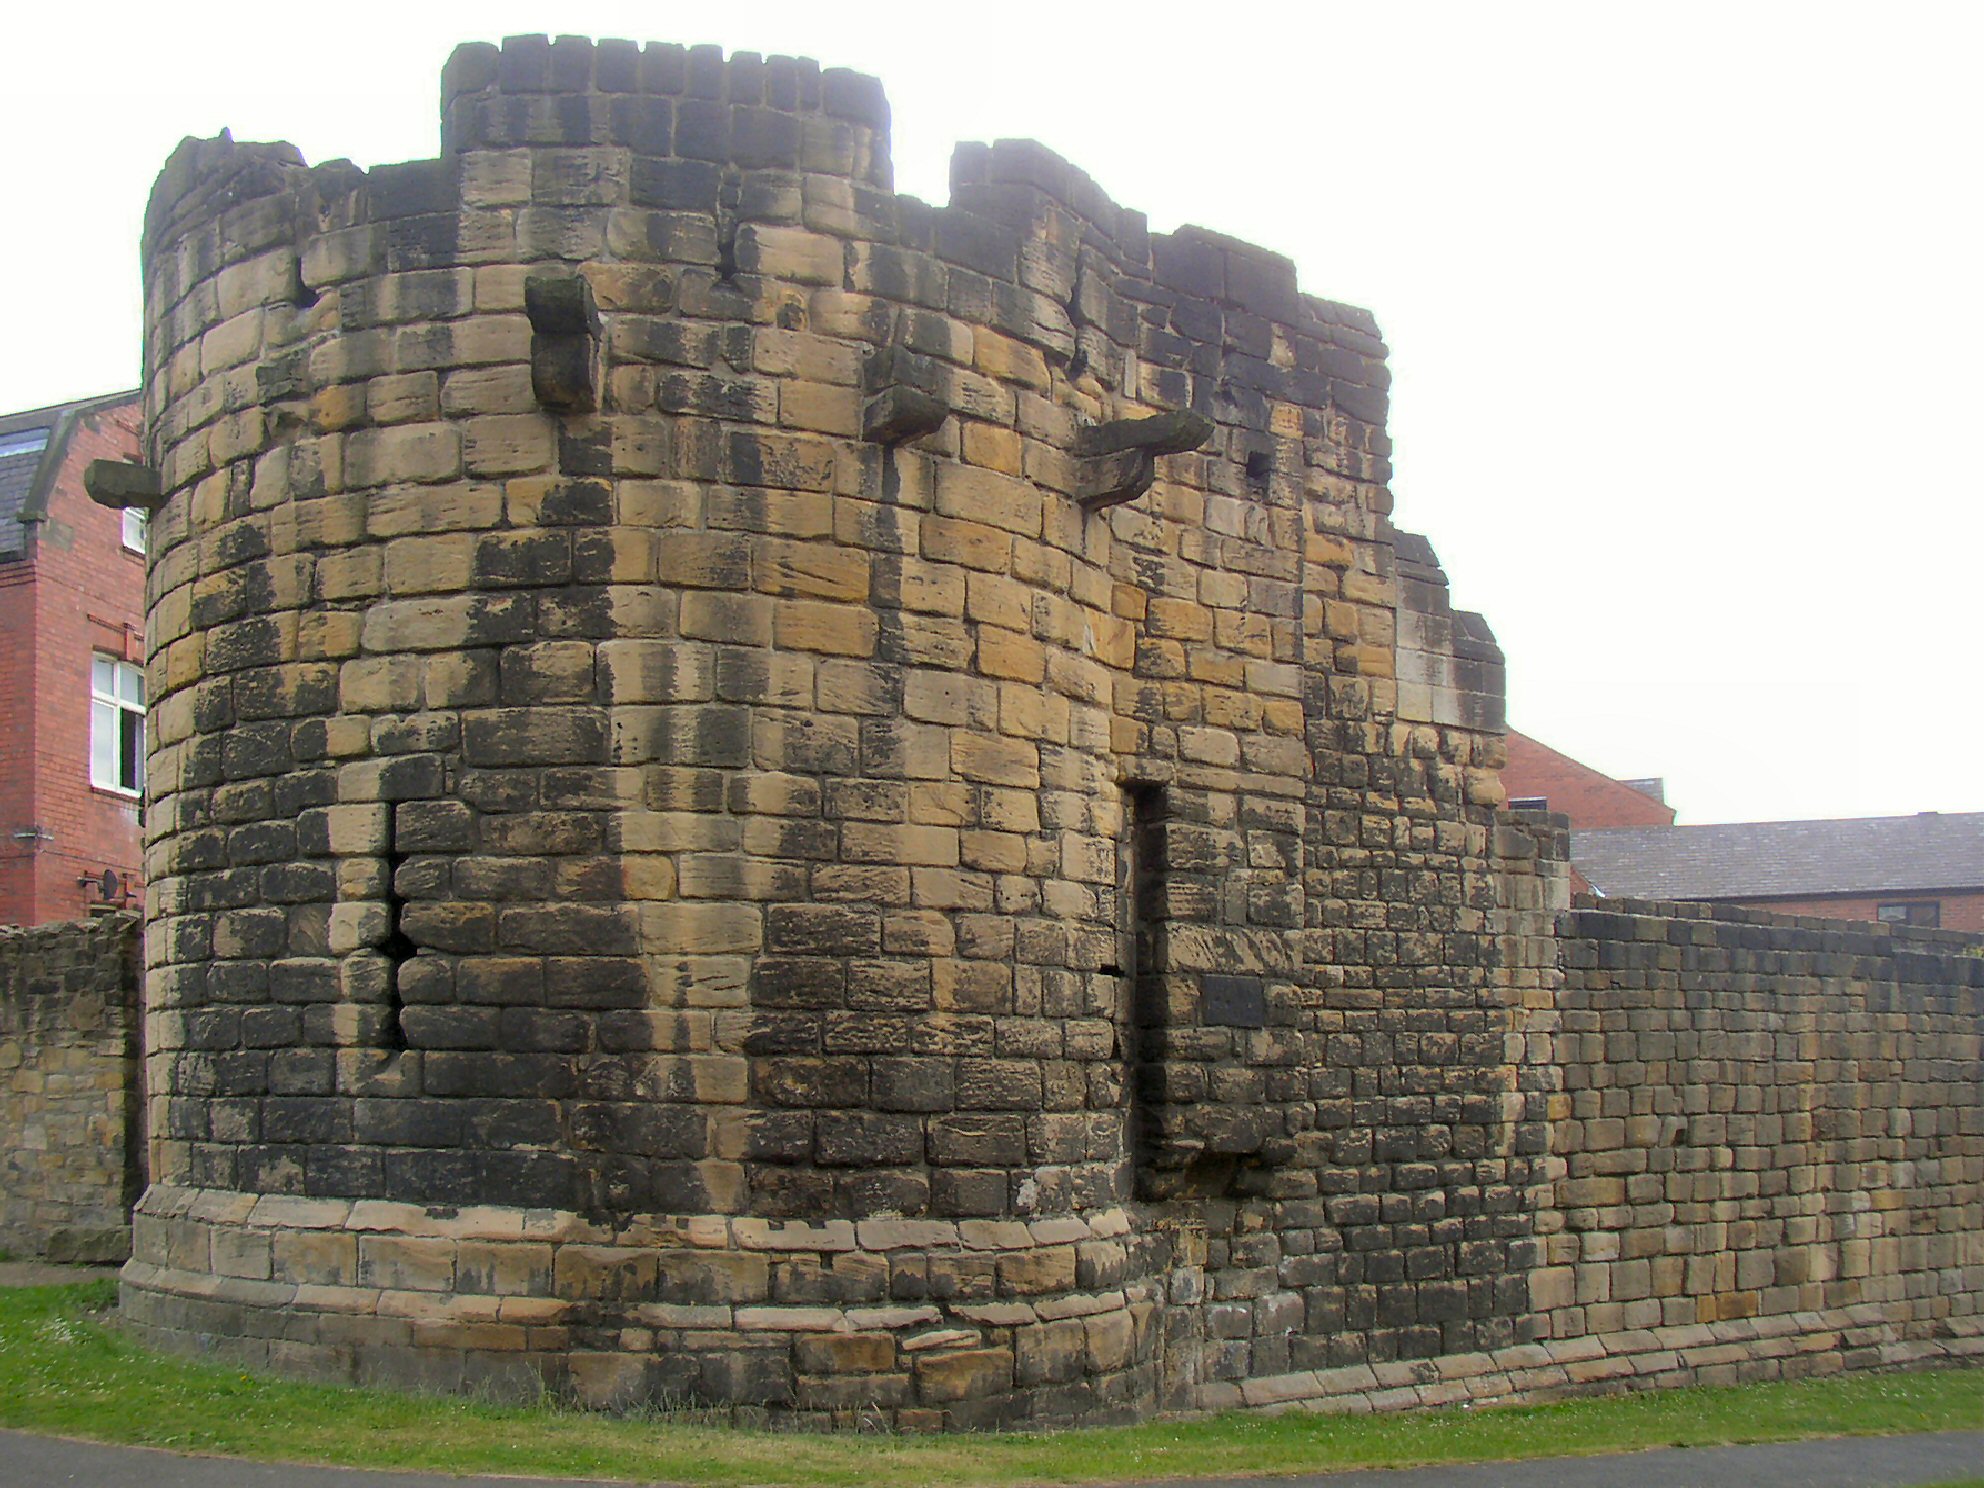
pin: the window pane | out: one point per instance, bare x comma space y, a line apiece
103, 676
1926, 912
103, 742
137, 524
131, 684
131, 750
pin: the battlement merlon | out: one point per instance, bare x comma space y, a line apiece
671, 153
667, 100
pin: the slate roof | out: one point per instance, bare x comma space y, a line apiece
1754, 860
17, 473
25, 478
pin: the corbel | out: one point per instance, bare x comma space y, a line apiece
898, 410
122, 483
564, 342
1117, 461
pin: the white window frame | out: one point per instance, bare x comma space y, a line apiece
137, 529
1904, 912
117, 725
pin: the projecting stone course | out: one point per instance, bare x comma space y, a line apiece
768, 794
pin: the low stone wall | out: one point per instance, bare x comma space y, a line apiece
71, 1142
1764, 1118
1764, 1159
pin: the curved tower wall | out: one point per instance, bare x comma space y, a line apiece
736, 816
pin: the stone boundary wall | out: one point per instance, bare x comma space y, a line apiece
1766, 1154
1763, 1117
71, 1142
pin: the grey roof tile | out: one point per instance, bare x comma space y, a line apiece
1748, 860
20, 475
16, 480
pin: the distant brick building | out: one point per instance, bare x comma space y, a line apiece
72, 593
1539, 778
1925, 870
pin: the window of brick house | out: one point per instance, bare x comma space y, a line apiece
1925, 912
117, 726
137, 528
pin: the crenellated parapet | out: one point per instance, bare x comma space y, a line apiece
770, 792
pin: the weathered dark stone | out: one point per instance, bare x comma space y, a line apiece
945, 936
565, 330
120, 483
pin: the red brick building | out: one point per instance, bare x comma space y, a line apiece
1926, 869
1538, 778
72, 649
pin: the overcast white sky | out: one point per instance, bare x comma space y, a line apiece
1686, 302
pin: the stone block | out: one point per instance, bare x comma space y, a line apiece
963, 1374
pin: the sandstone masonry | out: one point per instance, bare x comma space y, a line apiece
767, 793
71, 1139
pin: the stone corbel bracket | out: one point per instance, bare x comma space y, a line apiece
1117, 461
564, 342
122, 483
898, 409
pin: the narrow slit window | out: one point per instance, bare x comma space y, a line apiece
398, 947
1143, 915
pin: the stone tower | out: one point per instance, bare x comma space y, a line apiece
769, 793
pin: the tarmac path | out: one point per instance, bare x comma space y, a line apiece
28, 1461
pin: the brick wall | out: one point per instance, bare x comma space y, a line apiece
76, 592
17, 623
1588, 798
1962, 909
71, 1143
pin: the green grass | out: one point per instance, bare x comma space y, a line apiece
62, 1371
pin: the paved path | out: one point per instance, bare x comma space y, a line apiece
1849, 1462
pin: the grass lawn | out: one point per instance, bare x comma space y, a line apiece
63, 1372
